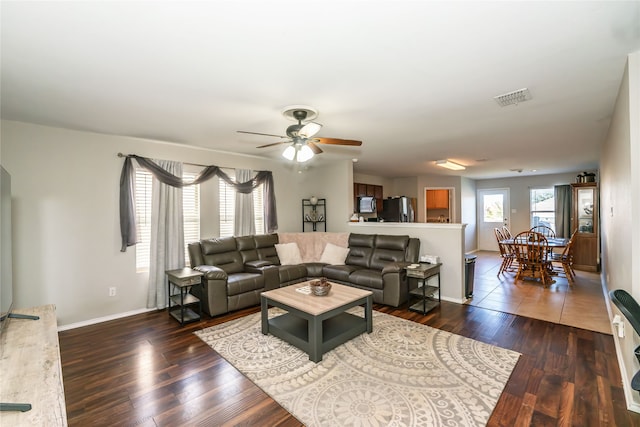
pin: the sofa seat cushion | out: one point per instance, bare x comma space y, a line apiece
339, 272
367, 278
289, 273
240, 283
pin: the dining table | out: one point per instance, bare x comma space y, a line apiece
552, 242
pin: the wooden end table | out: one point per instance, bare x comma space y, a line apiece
183, 279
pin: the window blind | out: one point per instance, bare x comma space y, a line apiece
191, 214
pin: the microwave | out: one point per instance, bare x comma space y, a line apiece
366, 204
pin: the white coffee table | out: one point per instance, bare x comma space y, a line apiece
317, 324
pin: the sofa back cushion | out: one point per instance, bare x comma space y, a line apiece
247, 248
265, 247
222, 252
195, 254
360, 249
389, 249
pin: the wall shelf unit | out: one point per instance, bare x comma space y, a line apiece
314, 215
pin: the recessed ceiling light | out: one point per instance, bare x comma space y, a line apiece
354, 160
450, 165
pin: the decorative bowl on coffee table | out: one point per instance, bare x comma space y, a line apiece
320, 287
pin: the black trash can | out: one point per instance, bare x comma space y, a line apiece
469, 271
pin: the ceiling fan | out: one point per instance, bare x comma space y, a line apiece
301, 135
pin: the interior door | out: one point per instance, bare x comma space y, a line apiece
492, 211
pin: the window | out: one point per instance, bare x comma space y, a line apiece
542, 202
227, 208
191, 213
493, 208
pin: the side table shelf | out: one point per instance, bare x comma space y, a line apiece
181, 305
427, 296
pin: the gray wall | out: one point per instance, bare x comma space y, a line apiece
519, 193
620, 212
65, 208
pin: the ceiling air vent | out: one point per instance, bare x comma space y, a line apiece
513, 98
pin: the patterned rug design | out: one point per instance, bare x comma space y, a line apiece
402, 374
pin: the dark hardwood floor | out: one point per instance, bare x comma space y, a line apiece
147, 370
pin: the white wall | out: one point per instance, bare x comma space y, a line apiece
66, 224
468, 213
620, 212
333, 182
443, 240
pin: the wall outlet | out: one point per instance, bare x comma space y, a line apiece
112, 291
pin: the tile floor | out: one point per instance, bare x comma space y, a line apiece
581, 305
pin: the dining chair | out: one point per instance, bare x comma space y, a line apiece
506, 232
531, 251
545, 231
505, 252
565, 259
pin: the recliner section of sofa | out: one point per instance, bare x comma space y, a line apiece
237, 269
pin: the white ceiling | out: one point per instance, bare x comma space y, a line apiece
413, 80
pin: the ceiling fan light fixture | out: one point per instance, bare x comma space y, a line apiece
450, 165
289, 153
310, 129
300, 154
304, 154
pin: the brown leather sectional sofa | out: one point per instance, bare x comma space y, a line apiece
237, 269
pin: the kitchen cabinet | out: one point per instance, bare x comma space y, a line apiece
437, 199
585, 224
360, 189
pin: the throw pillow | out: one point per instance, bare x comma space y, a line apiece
289, 253
334, 255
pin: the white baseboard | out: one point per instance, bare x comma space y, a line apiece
456, 300
104, 319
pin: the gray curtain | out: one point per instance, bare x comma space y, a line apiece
167, 234
244, 221
562, 196
127, 202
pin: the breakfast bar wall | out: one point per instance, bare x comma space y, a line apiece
447, 241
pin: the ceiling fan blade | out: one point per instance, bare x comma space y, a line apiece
310, 129
258, 133
336, 141
314, 147
273, 144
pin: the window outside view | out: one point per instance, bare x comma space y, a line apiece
493, 208
542, 202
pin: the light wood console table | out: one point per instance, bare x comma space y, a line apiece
31, 371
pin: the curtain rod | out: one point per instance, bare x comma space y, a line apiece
186, 163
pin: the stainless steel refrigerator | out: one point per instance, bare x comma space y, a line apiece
397, 209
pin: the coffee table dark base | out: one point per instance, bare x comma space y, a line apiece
316, 335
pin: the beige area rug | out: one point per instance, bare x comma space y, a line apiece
402, 374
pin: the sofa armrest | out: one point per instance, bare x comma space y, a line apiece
211, 272
256, 266
394, 267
